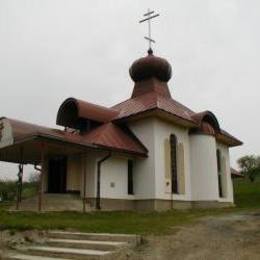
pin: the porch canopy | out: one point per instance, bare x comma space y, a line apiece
26, 143
22, 142
17, 137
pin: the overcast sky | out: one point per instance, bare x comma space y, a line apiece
54, 49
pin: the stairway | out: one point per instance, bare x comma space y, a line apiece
61, 245
54, 202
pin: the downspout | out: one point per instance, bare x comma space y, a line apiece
98, 206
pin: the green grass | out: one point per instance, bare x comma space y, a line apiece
112, 222
247, 196
29, 190
247, 193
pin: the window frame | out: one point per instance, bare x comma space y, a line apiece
174, 168
219, 168
130, 177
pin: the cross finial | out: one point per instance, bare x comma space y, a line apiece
149, 16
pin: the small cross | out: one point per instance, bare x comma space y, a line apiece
149, 16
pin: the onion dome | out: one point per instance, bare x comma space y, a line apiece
150, 67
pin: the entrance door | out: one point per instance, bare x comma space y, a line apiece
57, 175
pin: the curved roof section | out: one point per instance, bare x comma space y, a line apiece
207, 116
71, 110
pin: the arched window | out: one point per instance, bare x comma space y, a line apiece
219, 173
174, 176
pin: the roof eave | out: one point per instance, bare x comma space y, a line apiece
228, 140
159, 113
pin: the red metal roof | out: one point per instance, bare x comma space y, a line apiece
22, 130
108, 136
151, 101
154, 101
111, 135
71, 110
150, 94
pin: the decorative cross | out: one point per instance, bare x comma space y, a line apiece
149, 16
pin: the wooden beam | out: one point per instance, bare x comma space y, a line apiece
19, 181
42, 172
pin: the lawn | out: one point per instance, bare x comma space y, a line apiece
247, 193
247, 196
112, 222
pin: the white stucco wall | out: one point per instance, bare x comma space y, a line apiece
200, 167
150, 181
162, 132
204, 176
144, 171
226, 173
114, 178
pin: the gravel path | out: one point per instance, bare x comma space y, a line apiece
234, 236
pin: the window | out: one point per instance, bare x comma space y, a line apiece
220, 190
174, 177
219, 160
130, 178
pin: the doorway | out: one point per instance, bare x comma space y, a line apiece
57, 175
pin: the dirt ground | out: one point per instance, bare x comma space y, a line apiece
233, 236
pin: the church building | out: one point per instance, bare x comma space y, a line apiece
148, 152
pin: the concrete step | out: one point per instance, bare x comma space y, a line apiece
54, 202
131, 239
86, 244
17, 256
65, 253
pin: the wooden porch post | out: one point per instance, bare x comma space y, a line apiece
84, 181
40, 194
19, 181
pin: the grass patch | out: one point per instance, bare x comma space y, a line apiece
247, 193
111, 222
247, 196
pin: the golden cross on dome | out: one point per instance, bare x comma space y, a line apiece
148, 17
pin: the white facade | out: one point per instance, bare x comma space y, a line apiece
163, 130
196, 167
226, 174
200, 164
204, 177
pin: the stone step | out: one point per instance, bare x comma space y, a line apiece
86, 244
54, 202
131, 239
65, 253
17, 256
